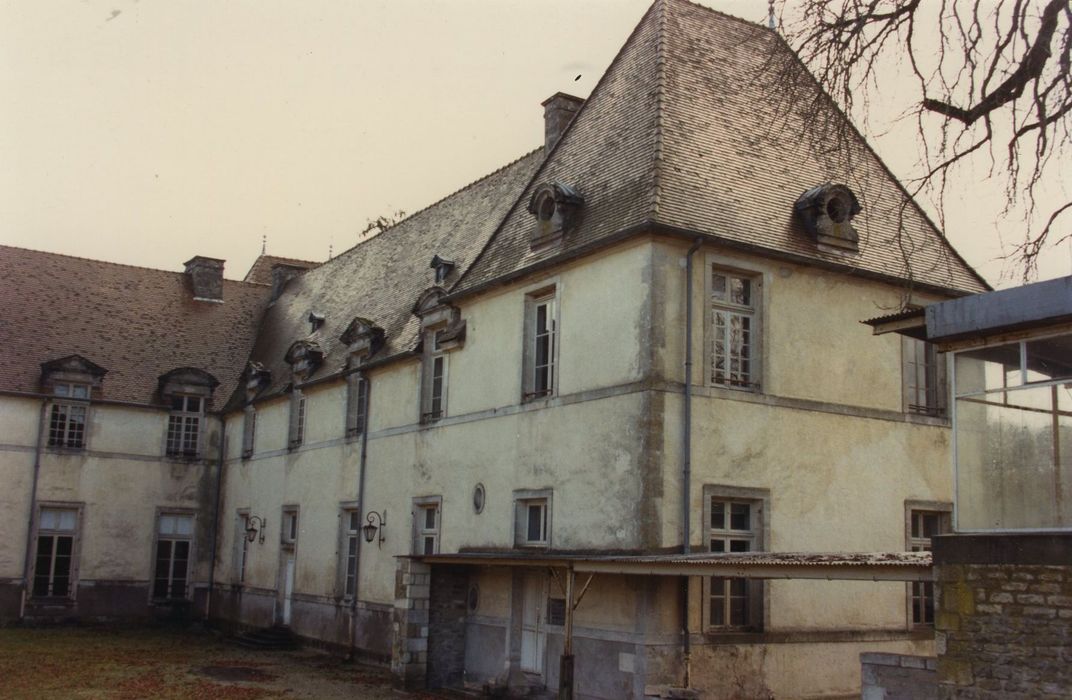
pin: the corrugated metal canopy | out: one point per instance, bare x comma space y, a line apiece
862, 566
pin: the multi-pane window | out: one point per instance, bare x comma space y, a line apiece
249, 431
356, 404
533, 515
733, 332
289, 531
174, 535
352, 531
184, 425
297, 419
734, 523
54, 559
67, 421
427, 528
922, 526
434, 380
924, 377
541, 322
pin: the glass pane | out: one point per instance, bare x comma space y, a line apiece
50, 519
167, 525
718, 515
1049, 358
429, 518
740, 291
62, 390
79, 391
355, 522
177, 403
66, 520
718, 546
429, 545
535, 521
740, 516
718, 287
988, 369
163, 558
184, 524
740, 545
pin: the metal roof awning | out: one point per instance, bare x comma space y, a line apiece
912, 323
864, 566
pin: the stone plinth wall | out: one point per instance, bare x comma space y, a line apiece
898, 677
446, 626
409, 639
1003, 616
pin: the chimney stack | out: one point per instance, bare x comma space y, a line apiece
558, 111
206, 277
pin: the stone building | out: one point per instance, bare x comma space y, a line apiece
626, 369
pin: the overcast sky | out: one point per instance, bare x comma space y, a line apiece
150, 132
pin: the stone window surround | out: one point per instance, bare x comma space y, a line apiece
760, 498
945, 509
191, 556
420, 506
524, 498
715, 262
76, 549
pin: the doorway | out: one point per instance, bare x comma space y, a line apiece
533, 624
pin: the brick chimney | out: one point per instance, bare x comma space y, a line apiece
206, 277
558, 110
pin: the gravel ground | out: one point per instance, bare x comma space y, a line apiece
128, 664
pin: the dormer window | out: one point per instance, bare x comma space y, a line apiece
363, 339
304, 357
70, 380
186, 392
556, 207
826, 213
442, 267
316, 321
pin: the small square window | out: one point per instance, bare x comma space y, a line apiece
532, 519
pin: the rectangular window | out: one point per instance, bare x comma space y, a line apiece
174, 538
289, 530
924, 378
532, 519
351, 531
922, 526
297, 419
733, 330
733, 523
54, 559
67, 421
249, 431
426, 525
184, 426
242, 546
356, 404
434, 380
540, 361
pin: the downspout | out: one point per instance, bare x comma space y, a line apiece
362, 460
686, 467
216, 515
33, 505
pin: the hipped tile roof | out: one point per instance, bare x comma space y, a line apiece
135, 322
678, 135
380, 278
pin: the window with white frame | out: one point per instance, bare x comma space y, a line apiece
241, 546
433, 380
532, 518
67, 420
174, 542
733, 329
734, 523
351, 525
925, 520
924, 378
356, 404
184, 425
54, 560
426, 520
541, 344
296, 434
289, 530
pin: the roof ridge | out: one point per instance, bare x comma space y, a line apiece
113, 264
554, 148
660, 94
439, 201
735, 18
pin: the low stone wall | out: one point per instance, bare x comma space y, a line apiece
897, 677
1004, 615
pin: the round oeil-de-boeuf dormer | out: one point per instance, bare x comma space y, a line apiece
556, 207
827, 212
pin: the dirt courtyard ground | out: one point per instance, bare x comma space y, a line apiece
122, 664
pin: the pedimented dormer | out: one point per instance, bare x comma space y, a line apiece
257, 378
556, 207
363, 339
437, 315
304, 357
827, 212
187, 381
72, 369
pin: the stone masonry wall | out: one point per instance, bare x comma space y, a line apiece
409, 643
897, 677
1004, 630
446, 626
